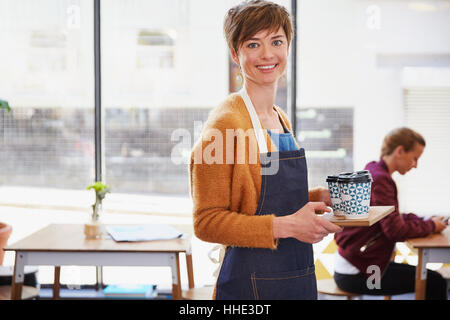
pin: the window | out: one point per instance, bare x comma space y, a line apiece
163, 71
47, 138
169, 70
155, 49
426, 99
157, 62
327, 135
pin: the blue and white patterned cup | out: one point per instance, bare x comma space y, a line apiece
335, 195
355, 191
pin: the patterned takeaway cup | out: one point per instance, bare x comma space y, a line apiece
340, 176
335, 195
355, 194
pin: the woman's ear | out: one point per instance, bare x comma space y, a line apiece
234, 56
399, 150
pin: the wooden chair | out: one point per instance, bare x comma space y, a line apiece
329, 287
203, 293
28, 289
28, 292
444, 271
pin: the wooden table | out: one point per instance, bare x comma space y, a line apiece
433, 248
65, 244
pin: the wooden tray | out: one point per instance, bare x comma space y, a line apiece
375, 214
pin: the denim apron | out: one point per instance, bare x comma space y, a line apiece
286, 272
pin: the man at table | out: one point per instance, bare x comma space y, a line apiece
364, 251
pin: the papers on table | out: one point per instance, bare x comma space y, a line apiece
130, 291
143, 232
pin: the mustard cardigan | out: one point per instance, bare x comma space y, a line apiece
225, 189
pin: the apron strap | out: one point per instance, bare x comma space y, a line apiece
221, 249
259, 133
285, 125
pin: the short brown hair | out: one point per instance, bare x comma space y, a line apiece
250, 17
405, 137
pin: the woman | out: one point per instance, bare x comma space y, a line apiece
361, 248
253, 197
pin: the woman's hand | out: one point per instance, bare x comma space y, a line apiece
305, 225
439, 224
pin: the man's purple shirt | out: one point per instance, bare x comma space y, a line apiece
393, 228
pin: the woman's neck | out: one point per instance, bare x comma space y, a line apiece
390, 163
263, 97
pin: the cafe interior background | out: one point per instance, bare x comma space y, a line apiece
362, 68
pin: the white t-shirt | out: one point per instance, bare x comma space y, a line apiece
342, 266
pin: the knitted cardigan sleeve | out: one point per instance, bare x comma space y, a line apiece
211, 192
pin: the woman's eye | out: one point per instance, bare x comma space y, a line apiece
278, 42
253, 45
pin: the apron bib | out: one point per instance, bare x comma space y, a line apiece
288, 271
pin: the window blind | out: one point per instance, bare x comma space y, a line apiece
425, 189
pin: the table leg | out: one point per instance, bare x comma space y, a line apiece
190, 270
176, 279
56, 284
99, 280
18, 277
421, 274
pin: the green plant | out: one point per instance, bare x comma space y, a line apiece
5, 105
101, 190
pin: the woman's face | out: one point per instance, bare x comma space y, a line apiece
263, 57
408, 160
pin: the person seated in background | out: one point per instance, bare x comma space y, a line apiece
359, 248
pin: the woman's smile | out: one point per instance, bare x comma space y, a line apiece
267, 67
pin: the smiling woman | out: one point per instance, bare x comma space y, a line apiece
259, 210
